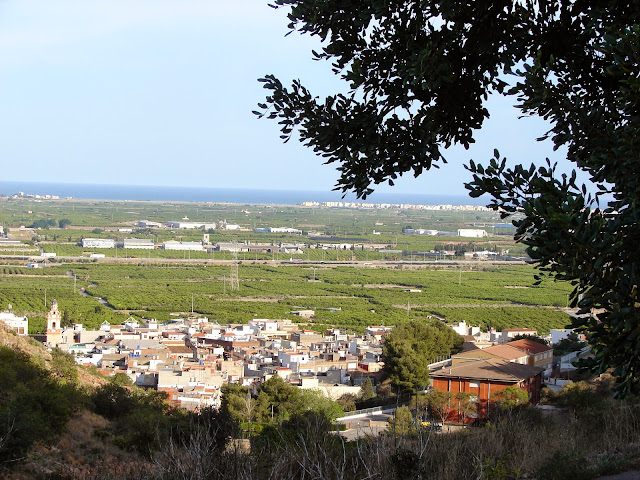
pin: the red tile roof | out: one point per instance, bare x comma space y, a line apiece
496, 370
531, 346
505, 351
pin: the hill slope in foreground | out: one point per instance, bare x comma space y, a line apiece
47, 426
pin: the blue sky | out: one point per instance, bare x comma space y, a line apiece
160, 92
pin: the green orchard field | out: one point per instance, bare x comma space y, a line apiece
348, 297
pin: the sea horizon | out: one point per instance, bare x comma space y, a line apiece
84, 191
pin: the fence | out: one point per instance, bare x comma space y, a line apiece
367, 411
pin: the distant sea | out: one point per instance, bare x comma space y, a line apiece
221, 195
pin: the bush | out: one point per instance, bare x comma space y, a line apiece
582, 400
565, 465
34, 404
63, 365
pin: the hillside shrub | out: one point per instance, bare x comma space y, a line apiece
35, 405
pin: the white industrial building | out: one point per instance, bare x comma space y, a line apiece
148, 224
228, 226
291, 249
484, 254
231, 247
139, 243
174, 245
420, 231
98, 243
278, 230
191, 225
471, 233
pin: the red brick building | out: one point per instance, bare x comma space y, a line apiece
483, 378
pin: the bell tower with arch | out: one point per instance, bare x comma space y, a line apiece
54, 328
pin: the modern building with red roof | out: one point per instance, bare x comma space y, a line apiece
540, 355
482, 378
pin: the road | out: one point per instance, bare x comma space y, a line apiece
206, 261
365, 426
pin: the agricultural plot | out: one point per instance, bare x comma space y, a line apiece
99, 214
382, 228
348, 297
30, 292
343, 296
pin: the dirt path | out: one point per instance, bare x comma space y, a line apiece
631, 475
482, 305
276, 299
31, 276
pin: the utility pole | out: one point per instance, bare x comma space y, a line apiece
235, 284
416, 412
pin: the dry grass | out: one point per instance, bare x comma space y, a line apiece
581, 443
517, 446
82, 453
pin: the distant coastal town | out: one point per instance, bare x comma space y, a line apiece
36, 196
328, 204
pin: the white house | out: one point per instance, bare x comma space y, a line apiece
558, 334
332, 391
509, 333
263, 325
288, 357
19, 324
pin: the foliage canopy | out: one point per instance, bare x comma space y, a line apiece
410, 347
420, 74
275, 402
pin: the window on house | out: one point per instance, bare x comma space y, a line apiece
474, 385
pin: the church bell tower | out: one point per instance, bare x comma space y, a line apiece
54, 329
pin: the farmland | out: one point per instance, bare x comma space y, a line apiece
401, 281
348, 297
361, 228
